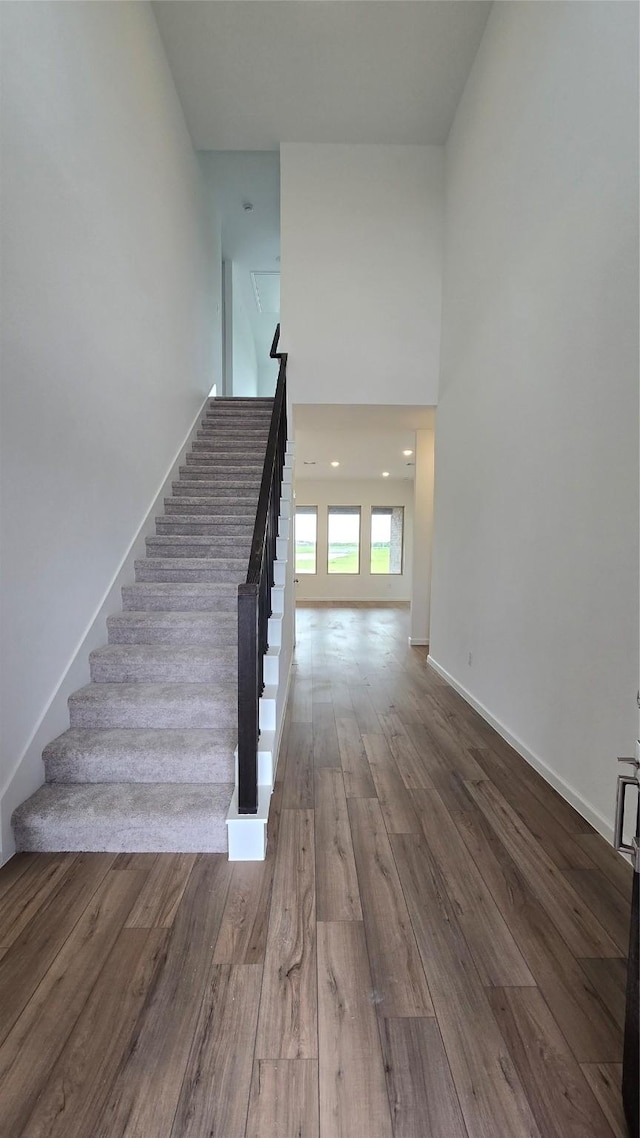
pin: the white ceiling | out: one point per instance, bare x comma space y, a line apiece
254, 73
365, 440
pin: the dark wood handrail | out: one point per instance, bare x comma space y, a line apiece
259, 529
254, 594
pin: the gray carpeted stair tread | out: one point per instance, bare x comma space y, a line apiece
241, 491
218, 425
207, 449
226, 467
204, 524
141, 755
180, 596
225, 507
154, 705
236, 429
256, 411
191, 569
125, 817
240, 400
225, 444
222, 546
241, 476
231, 457
172, 628
220, 491
239, 521
204, 493
164, 663
206, 455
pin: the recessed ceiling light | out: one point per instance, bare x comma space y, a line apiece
385, 473
406, 453
247, 207
335, 463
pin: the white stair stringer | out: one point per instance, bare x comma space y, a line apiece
247, 834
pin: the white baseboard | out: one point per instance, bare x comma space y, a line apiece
568, 792
28, 772
416, 642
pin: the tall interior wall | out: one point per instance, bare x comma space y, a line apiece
361, 234
110, 290
535, 563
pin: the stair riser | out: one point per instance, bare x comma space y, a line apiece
175, 602
227, 430
203, 633
248, 455
150, 570
226, 467
250, 441
190, 488
180, 671
222, 442
174, 525
135, 838
228, 426
199, 466
151, 715
209, 506
222, 548
237, 412
131, 768
128, 756
240, 403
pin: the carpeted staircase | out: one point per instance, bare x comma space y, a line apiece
148, 761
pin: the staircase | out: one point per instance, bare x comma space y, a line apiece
148, 761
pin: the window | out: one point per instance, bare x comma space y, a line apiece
387, 525
344, 539
306, 538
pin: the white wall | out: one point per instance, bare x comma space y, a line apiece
361, 234
109, 326
536, 510
363, 586
422, 537
244, 365
250, 239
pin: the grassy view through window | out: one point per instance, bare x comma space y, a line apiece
387, 524
344, 539
306, 539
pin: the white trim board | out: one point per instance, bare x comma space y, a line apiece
28, 773
597, 820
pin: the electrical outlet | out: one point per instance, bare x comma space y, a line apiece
470, 659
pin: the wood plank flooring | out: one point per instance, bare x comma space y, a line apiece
433, 948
